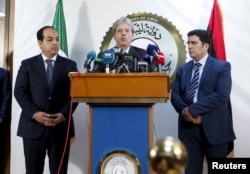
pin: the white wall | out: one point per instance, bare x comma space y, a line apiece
87, 23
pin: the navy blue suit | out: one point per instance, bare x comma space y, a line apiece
5, 101
212, 105
33, 94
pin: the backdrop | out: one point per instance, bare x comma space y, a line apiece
87, 22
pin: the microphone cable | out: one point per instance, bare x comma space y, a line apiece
68, 127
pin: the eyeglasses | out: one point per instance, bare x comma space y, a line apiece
192, 42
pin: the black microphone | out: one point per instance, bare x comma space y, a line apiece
142, 66
98, 65
135, 65
127, 63
90, 57
118, 58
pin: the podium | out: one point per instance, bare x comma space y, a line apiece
120, 131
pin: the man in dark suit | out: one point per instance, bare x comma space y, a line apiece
5, 101
205, 125
46, 106
123, 33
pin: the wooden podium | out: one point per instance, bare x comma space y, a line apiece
120, 117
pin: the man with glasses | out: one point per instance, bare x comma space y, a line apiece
200, 95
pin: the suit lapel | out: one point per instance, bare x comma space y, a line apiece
41, 72
58, 68
206, 70
188, 72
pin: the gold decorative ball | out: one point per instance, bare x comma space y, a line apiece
168, 156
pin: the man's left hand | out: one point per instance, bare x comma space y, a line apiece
58, 118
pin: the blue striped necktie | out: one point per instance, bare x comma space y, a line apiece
194, 84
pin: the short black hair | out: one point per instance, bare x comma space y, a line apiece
202, 34
39, 33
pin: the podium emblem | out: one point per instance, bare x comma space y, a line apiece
119, 162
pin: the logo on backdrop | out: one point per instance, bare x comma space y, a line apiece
154, 29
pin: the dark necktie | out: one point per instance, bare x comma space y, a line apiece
194, 84
49, 70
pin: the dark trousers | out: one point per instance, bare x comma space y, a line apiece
2, 144
198, 147
36, 150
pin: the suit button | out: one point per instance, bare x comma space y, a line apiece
50, 98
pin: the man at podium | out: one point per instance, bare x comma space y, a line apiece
123, 57
123, 33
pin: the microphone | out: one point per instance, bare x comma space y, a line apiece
127, 63
108, 58
142, 66
118, 56
98, 65
149, 59
117, 50
90, 57
127, 59
152, 50
135, 65
130, 62
160, 61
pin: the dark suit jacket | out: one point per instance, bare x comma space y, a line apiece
5, 93
212, 105
33, 94
137, 52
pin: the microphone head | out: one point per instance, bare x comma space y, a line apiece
161, 59
118, 56
98, 65
91, 54
108, 56
152, 47
98, 60
127, 59
152, 50
117, 50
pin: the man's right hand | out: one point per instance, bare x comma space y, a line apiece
188, 117
44, 118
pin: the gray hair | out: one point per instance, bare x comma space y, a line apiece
123, 20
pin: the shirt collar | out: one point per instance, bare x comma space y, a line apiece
127, 50
203, 60
53, 58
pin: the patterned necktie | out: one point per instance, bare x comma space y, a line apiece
194, 84
49, 70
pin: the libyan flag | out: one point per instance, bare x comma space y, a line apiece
217, 46
60, 26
